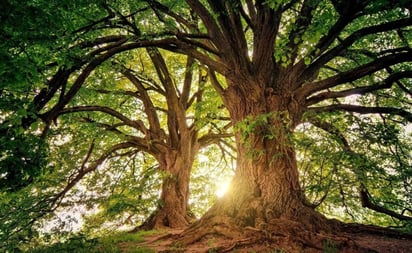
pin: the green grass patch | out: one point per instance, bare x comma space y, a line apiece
106, 244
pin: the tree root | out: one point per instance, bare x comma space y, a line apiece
278, 234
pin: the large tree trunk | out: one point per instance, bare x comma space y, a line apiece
176, 165
172, 211
265, 196
266, 183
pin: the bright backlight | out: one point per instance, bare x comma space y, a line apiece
222, 187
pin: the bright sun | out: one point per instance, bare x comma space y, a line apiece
222, 187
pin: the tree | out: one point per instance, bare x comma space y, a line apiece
279, 65
286, 63
160, 114
62, 89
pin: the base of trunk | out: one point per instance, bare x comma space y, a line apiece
311, 232
307, 232
162, 218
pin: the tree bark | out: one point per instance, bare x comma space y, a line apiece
173, 209
265, 195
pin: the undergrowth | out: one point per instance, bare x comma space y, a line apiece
107, 244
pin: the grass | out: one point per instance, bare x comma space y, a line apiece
107, 244
329, 247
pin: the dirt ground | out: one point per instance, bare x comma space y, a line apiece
353, 242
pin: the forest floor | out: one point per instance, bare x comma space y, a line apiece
357, 241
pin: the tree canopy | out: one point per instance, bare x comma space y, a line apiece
318, 94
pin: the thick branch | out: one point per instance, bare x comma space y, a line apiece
264, 35
215, 83
366, 202
386, 84
208, 20
187, 82
149, 108
198, 41
211, 138
364, 110
53, 85
96, 108
230, 23
176, 113
346, 43
359, 72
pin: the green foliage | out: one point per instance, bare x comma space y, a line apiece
109, 244
18, 213
275, 4
270, 126
329, 247
23, 158
265, 125
377, 159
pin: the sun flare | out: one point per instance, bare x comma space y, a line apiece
222, 187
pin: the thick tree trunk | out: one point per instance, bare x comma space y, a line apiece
265, 196
266, 184
173, 209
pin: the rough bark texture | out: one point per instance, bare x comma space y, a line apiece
265, 198
266, 204
175, 151
269, 82
173, 210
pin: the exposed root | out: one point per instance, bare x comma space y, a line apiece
278, 234
217, 226
240, 243
162, 219
300, 230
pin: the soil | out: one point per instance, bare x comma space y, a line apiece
357, 239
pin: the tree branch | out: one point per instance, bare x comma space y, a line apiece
368, 203
304, 18
212, 138
359, 72
386, 84
212, 28
112, 128
54, 112
215, 83
176, 114
74, 179
187, 82
149, 108
364, 194
156, 6
331, 129
364, 110
353, 10
327, 56
97, 108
